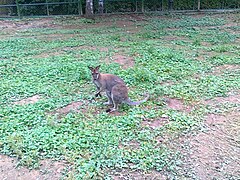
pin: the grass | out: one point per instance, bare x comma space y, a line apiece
92, 141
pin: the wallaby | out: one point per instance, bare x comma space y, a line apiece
115, 88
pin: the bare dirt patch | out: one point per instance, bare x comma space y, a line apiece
122, 174
11, 26
157, 123
35, 23
130, 145
175, 38
220, 100
178, 105
227, 28
54, 37
74, 106
124, 61
124, 23
48, 170
29, 100
227, 67
117, 113
48, 54
216, 152
102, 49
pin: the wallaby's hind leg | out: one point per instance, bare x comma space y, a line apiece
115, 104
115, 108
118, 95
110, 102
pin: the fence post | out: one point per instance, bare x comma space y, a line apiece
47, 7
199, 5
18, 9
80, 7
142, 6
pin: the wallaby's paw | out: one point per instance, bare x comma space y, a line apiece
107, 103
110, 110
98, 94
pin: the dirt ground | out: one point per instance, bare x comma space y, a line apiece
48, 170
214, 152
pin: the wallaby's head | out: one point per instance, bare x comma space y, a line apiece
95, 72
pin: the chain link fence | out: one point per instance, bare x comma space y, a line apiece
12, 8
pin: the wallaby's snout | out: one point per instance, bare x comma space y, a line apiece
95, 76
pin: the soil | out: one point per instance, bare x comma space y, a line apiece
128, 173
220, 69
48, 170
229, 99
74, 106
9, 27
124, 61
177, 104
156, 123
29, 100
215, 153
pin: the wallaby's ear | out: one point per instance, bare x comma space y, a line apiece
98, 67
91, 68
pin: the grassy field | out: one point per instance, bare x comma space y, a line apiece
183, 62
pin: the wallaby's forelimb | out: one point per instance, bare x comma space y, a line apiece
98, 93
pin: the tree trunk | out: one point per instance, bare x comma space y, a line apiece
100, 6
89, 7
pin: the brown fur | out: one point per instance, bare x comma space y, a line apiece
114, 87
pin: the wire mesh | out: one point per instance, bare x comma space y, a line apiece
10, 8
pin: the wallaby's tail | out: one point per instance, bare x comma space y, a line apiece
134, 103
